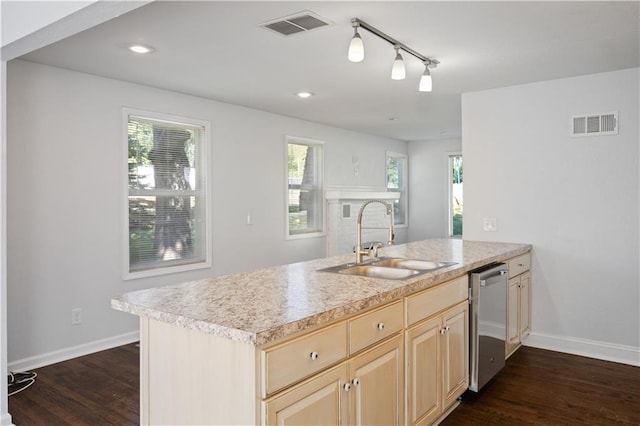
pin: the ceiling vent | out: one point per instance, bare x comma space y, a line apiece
594, 124
295, 24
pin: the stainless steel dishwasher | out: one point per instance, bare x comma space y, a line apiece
488, 321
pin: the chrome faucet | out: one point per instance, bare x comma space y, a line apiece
360, 250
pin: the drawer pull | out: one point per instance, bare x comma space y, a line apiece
380, 326
347, 387
314, 355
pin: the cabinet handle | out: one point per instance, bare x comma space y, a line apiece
314, 355
355, 381
520, 264
444, 330
380, 326
347, 387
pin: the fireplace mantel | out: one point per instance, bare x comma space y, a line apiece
340, 228
339, 195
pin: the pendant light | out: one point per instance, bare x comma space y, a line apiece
398, 71
356, 47
425, 81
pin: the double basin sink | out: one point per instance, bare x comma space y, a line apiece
391, 268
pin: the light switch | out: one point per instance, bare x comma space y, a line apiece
490, 224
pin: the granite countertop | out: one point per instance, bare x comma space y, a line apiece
263, 305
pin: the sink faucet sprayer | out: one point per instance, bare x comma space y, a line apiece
360, 251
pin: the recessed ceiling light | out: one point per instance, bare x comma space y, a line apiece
140, 48
304, 94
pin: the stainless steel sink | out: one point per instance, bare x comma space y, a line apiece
419, 265
379, 272
393, 268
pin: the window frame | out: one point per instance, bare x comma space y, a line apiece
450, 156
321, 199
203, 168
403, 190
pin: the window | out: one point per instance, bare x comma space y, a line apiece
166, 202
455, 195
397, 182
305, 206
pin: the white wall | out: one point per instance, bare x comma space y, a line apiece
17, 20
5, 417
65, 197
429, 186
575, 199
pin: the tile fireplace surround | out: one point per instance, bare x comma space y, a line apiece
343, 206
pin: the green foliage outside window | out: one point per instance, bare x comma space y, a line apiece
457, 205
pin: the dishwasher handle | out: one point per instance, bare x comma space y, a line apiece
494, 277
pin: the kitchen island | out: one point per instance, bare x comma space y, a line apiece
240, 349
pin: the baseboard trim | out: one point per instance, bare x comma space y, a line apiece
589, 348
49, 358
5, 419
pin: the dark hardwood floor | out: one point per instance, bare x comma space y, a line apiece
539, 387
97, 389
536, 387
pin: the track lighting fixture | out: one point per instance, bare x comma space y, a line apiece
356, 54
356, 47
425, 81
397, 71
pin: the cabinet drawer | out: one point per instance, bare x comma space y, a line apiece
519, 264
436, 299
373, 326
299, 358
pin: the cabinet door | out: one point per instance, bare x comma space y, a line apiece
455, 352
513, 312
424, 372
319, 401
525, 300
377, 385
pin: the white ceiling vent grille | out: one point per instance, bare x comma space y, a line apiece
594, 124
294, 24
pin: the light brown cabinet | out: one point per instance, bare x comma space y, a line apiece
518, 302
438, 364
366, 390
455, 379
296, 359
376, 396
321, 400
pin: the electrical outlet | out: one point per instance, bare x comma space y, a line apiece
76, 316
490, 224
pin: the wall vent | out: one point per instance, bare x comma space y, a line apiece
295, 24
594, 124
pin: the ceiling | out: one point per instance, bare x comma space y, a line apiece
218, 50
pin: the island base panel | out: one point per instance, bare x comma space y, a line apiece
190, 377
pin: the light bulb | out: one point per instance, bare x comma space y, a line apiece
425, 81
356, 48
398, 71
140, 48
